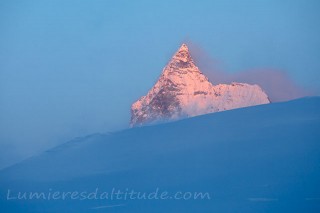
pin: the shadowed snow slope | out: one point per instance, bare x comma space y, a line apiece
257, 159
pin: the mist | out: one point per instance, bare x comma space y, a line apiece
278, 84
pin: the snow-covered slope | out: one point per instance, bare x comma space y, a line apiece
183, 91
258, 159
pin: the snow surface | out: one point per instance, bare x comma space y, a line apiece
183, 91
257, 159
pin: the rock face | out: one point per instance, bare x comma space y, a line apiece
183, 91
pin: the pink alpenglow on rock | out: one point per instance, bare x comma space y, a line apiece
184, 91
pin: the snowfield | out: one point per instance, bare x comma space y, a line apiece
264, 158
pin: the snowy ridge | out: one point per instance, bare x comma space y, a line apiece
248, 160
184, 91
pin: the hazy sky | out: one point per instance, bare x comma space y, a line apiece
71, 68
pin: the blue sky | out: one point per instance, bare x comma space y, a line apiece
71, 68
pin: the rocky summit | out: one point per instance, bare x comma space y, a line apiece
184, 91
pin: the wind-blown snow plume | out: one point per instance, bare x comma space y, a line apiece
277, 84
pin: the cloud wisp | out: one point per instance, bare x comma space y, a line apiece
277, 83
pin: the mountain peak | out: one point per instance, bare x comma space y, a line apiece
183, 54
183, 47
183, 91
